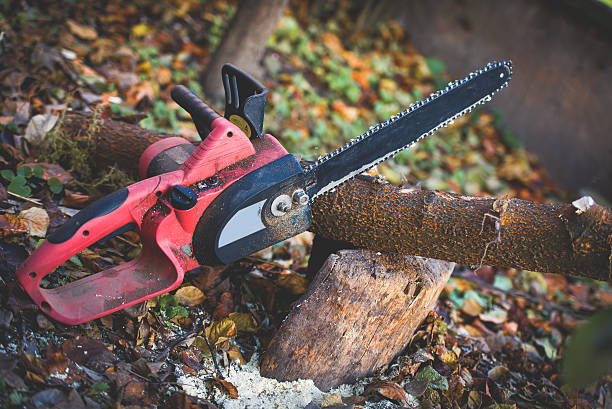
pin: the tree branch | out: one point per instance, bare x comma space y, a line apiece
550, 238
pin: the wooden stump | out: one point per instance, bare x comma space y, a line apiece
358, 314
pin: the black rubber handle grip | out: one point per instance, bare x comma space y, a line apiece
98, 208
202, 114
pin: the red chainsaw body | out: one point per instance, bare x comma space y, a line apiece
166, 232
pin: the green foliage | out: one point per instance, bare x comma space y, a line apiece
170, 308
99, 387
502, 282
458, 298
161, 118
437, 69
26, 179
433, 377
55, 185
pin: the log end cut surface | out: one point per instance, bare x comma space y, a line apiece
358, 314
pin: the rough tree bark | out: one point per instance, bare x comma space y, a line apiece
557, 238
359, 312
244, 42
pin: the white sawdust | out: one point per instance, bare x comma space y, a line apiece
255, 391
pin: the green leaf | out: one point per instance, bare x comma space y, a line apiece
38, 171
477, 297
436, 381
76, 260
55, 185
436, 66
7, 174
170, 308
99, 387
19, 186
456, 298
24, 171
502, 282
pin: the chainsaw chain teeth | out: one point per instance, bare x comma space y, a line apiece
378, 127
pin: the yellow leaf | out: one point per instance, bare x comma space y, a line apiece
81, 31
37, 221
244, 321
190, 296
471, 307
221, 331
200, 343
141, 30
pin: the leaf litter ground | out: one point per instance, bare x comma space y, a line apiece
496, 338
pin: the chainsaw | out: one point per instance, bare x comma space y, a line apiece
237, 192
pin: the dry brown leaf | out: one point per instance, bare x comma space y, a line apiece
224, 306
226, 387
36, 220
293, 282
81, 31
11, 224
190, 296
235, 355
389, 390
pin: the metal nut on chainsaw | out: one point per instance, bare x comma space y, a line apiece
300, 197
281, 205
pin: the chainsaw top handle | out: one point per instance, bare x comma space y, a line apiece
201, 113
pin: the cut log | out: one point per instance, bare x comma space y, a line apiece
359, 312
550, 238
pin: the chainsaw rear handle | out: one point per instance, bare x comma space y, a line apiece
112, 289
201, 113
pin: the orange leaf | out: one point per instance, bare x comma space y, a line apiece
226, 387
190, 296
11, 224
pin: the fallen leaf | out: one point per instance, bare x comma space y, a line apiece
244, 322
235, 354
497, 373
293, 282
389, 390
135, 392
47, 398
11, 225
43, 322
220, 332
39, 126
192, 357
496, 316
190, 296
81, 31
471, 307
37, 221
224, 306
436, 381
331, 399
85, 351
226, 387
51, 170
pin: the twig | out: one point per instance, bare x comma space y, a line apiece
177, 341
39, 204
212, 354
